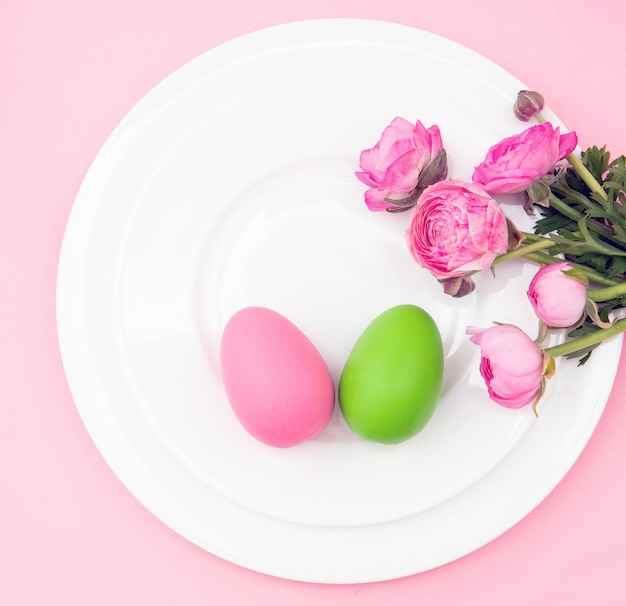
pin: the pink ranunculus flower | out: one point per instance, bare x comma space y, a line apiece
558, 294
392, 168
511, 364
456, 228
517, 162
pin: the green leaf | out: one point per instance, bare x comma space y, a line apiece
612, 185
585, 358
617, 266
551, 223
587, 228
596, 160
597, 212
595, 242
572, 196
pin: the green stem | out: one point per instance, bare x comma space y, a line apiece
606, 294
532, 252
564, 209
588, 340
586, 176
528, 237
573, 214
523, 250
592, 274
579, 167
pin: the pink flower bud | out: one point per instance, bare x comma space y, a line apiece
558, 294
459, 286
511, 364
528, 103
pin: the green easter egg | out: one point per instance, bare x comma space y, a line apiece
392, 379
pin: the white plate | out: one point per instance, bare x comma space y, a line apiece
232, 184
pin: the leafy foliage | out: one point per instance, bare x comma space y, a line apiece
588, 227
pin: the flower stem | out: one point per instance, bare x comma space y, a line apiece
592, 274
564, 209
532, 252
573, 214
523, 250
588, 340
605, 294
579, 167
586, 176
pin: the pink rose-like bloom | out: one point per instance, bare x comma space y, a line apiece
393, 166
517, 162
511, 364
456, 228
557, 298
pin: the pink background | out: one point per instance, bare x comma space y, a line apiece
70, 533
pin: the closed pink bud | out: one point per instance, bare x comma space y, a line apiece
527, 104
511, 364
558, 294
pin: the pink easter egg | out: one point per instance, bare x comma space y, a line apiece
276, 381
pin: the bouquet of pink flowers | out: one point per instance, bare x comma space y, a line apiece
457, 228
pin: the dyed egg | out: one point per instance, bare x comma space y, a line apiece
392, 379
276, 381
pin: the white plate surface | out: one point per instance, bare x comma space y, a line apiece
232, 184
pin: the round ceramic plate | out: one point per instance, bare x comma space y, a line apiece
232, 184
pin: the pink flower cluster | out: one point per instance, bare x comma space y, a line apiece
457, 228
